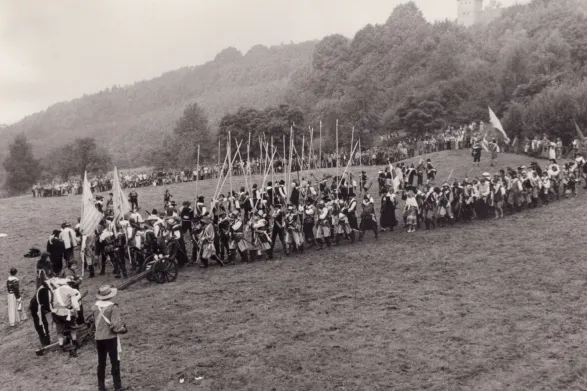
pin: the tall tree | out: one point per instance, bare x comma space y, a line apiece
22, 169
192, 129
83, 154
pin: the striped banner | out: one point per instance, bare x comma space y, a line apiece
91, 216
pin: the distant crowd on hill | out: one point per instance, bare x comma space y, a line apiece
393, 149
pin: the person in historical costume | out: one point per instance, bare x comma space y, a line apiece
430, 170
187, 215
224, 234
207, 249
69, 239
120, 242
278, 229
445, 203
293, 236
166, 198
343, 227
368, 220
174, 230
237, 242
476, 152
498, 193
388, 205
545, 190
109, 327
430, 207
56, 249
323, 225
66, 304
200, 209
309, 216
44, 269
133, 198
14, 299
262, 241
411, 211
41, 306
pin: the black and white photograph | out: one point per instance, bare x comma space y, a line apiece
278, 195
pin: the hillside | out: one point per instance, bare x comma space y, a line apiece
132, 120
490, 305
408, 74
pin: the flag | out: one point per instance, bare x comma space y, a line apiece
395, 180
90, 216
496, 124
121, 204
579, 133
485, 144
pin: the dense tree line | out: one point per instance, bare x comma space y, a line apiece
529, 65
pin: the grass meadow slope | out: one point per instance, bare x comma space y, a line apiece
490, 305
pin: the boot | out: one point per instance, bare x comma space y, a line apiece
218, 261
92, 272
269, 254
352, 236
327, 242
204, 264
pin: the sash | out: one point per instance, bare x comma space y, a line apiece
102, 307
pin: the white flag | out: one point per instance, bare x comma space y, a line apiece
121, 204
90, 216
496, 124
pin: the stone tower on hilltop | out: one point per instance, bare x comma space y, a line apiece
469, 11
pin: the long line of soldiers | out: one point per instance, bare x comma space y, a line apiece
250, 223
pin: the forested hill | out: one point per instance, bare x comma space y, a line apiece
411, 75
131, 121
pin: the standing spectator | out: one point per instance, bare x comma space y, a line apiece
108, 327
133, 197
14, 298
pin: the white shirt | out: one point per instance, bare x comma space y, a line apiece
68, 237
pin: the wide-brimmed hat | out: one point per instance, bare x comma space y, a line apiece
106, 292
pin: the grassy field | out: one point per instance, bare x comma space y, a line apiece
490, 305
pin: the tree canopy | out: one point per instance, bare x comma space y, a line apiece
22, 169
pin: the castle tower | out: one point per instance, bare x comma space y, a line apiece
469, 11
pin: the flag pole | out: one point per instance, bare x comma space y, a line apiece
337, 157
230, 166
284, 160
352, 142
303, 147
311, 148
249, 174
197, 174
320, 151
291, 145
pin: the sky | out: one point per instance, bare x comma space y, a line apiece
58, 50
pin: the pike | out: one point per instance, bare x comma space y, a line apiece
198, 173
345, 170
224, 181
337, 156
220, 175
230, 165
265, 176
320, 151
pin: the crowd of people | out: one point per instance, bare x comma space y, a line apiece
310, 213
393, 148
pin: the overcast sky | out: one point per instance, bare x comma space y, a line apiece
56, 50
